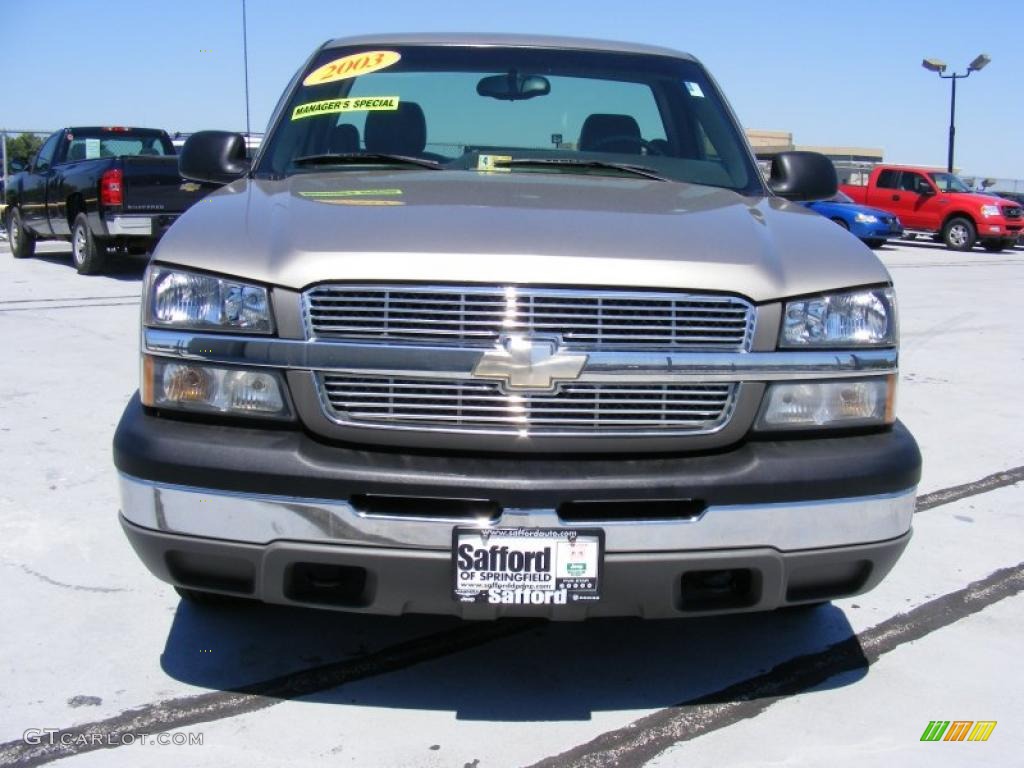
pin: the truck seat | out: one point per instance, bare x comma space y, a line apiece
401, 132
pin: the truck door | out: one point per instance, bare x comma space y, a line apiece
55, 193
916, 192
33, 191
884, 193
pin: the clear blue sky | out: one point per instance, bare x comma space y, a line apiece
835, 73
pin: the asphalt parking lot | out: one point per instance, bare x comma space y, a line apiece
94, 647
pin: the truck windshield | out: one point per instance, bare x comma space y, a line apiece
89, 143
947, 182
504, 108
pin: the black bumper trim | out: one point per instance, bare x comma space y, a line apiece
285, 462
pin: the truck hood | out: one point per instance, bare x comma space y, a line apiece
539, 228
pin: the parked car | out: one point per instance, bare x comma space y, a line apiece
463, 341
871, 225
100, 188
939, 204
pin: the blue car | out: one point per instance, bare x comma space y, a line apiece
871, 225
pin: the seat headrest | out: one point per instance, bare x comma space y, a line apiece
402, 131
610, 133
343, 138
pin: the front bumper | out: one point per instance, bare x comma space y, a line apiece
251, 511
876, 231
988, 229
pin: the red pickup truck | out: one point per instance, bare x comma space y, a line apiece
940, 204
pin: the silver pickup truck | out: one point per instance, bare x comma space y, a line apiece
500, 325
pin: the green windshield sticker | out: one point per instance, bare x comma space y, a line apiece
333, 106
352, 193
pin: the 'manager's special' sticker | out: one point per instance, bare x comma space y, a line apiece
352, 66
330, 106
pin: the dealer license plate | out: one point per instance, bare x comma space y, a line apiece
527, 566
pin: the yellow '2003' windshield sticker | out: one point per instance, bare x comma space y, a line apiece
332, 106
352, 66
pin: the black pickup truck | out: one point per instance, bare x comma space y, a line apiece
102, 189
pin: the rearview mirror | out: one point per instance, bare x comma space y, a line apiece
214, 156
513, 86
803, 176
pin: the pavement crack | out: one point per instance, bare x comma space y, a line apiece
955, 493
77, 587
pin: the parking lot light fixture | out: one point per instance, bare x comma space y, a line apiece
979, 63
939, 67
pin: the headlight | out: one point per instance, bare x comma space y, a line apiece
990, 210
815, 404
865, 218
190, 386
859, 318
179, 299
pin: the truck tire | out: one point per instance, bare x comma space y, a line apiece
88, 254
841, 223
23, 242
993, 246
959, 234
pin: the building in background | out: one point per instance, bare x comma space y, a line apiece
852, 163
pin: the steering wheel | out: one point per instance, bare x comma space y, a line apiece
650, 146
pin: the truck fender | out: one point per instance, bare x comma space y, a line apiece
959, 214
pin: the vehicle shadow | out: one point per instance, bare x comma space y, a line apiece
537, 671
118, 267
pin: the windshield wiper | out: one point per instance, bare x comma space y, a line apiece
366, 158
636, 170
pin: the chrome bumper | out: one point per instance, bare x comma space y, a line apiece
260, 519
131, 226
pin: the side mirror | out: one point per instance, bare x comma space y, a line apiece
15, 166
803, 176
925, 190
214, 156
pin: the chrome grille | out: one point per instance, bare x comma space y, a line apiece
476, 316
478, 406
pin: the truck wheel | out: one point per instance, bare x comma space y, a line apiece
842, 223
87, 253
959, 234
993, 246
23, 242
215, 599
875, 243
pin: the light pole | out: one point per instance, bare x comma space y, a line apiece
245, 64
939, 67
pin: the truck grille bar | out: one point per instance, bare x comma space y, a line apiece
477, 315
577, 408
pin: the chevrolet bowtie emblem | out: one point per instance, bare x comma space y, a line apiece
522, 363
190, 186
